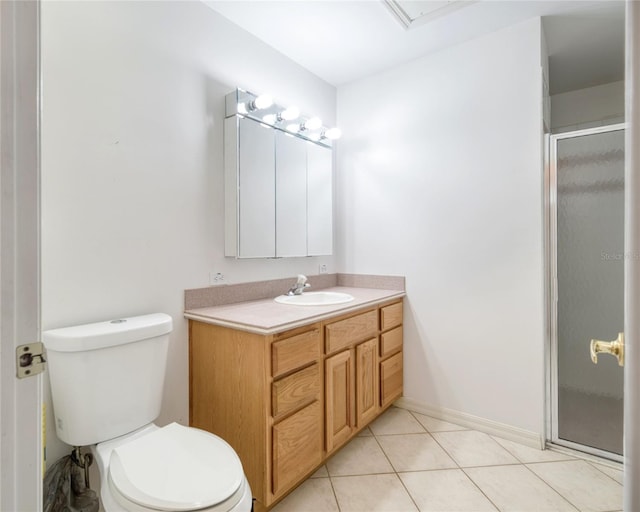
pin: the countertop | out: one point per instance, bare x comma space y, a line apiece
267, 316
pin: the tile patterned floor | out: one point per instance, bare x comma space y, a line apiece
410, 462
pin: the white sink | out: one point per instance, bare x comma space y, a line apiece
315, 298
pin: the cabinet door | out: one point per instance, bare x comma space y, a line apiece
366, 381
339, 398
320, 200
297, 446
256, 189
291, 195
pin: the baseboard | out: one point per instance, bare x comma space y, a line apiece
491, 427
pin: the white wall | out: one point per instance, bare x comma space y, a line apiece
440, 179
588, 108
132, 177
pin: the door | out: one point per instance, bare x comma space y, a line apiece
339, 398
21, 451
587, 226
257, 197
291, 195
319, 200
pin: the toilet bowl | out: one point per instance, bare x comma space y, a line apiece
106, 387
173, 468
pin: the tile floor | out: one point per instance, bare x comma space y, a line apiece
410, 462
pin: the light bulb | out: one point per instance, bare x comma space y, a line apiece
312, 124
314, 136
290, 114
263, 101
333, 133
293, 127
270, 118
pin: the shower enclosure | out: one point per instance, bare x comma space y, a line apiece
586, 261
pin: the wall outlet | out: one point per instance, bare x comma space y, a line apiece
216, 278
322, 269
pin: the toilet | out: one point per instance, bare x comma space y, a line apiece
106, 384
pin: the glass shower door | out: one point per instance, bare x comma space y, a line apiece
589, 287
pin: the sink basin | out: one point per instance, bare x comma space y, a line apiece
315, 299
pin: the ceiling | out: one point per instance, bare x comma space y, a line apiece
345, 40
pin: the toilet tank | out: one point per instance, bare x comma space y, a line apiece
107, 377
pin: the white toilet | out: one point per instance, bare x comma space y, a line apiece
106, 384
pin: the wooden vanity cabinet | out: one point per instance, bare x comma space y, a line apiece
286, 401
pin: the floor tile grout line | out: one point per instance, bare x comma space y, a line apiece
465, 473
396, 471
333, 490
458, 467
595, 465
464, 469
505, 448
551, 486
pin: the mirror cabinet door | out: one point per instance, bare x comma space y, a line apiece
291, 195
319, 201
278, 193
256, 182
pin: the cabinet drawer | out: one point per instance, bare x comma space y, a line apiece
391, 342
391, 379
295, 352
297, 446
295, 390
346, 332
390, 316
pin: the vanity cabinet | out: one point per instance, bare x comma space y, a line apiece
286, 401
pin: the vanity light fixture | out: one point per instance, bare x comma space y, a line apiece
332, 133
288, 114
270, 118
311, 124
261, 102
262, 108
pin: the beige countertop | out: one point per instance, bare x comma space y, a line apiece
267, 316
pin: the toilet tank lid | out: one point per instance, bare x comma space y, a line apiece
107, 334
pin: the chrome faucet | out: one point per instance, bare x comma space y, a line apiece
300, 285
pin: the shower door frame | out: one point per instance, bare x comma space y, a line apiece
551, 200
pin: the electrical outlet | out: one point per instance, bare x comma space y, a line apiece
322, 269
216, 278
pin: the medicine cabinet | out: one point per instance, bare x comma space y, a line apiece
278, 186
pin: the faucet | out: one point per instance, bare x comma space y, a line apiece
300, 285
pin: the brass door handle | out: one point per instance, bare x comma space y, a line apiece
615, 348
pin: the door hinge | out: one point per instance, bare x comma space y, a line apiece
30, 360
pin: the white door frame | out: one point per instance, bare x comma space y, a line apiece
632, 262
21, 451
552, 179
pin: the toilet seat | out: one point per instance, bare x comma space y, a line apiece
176, 468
